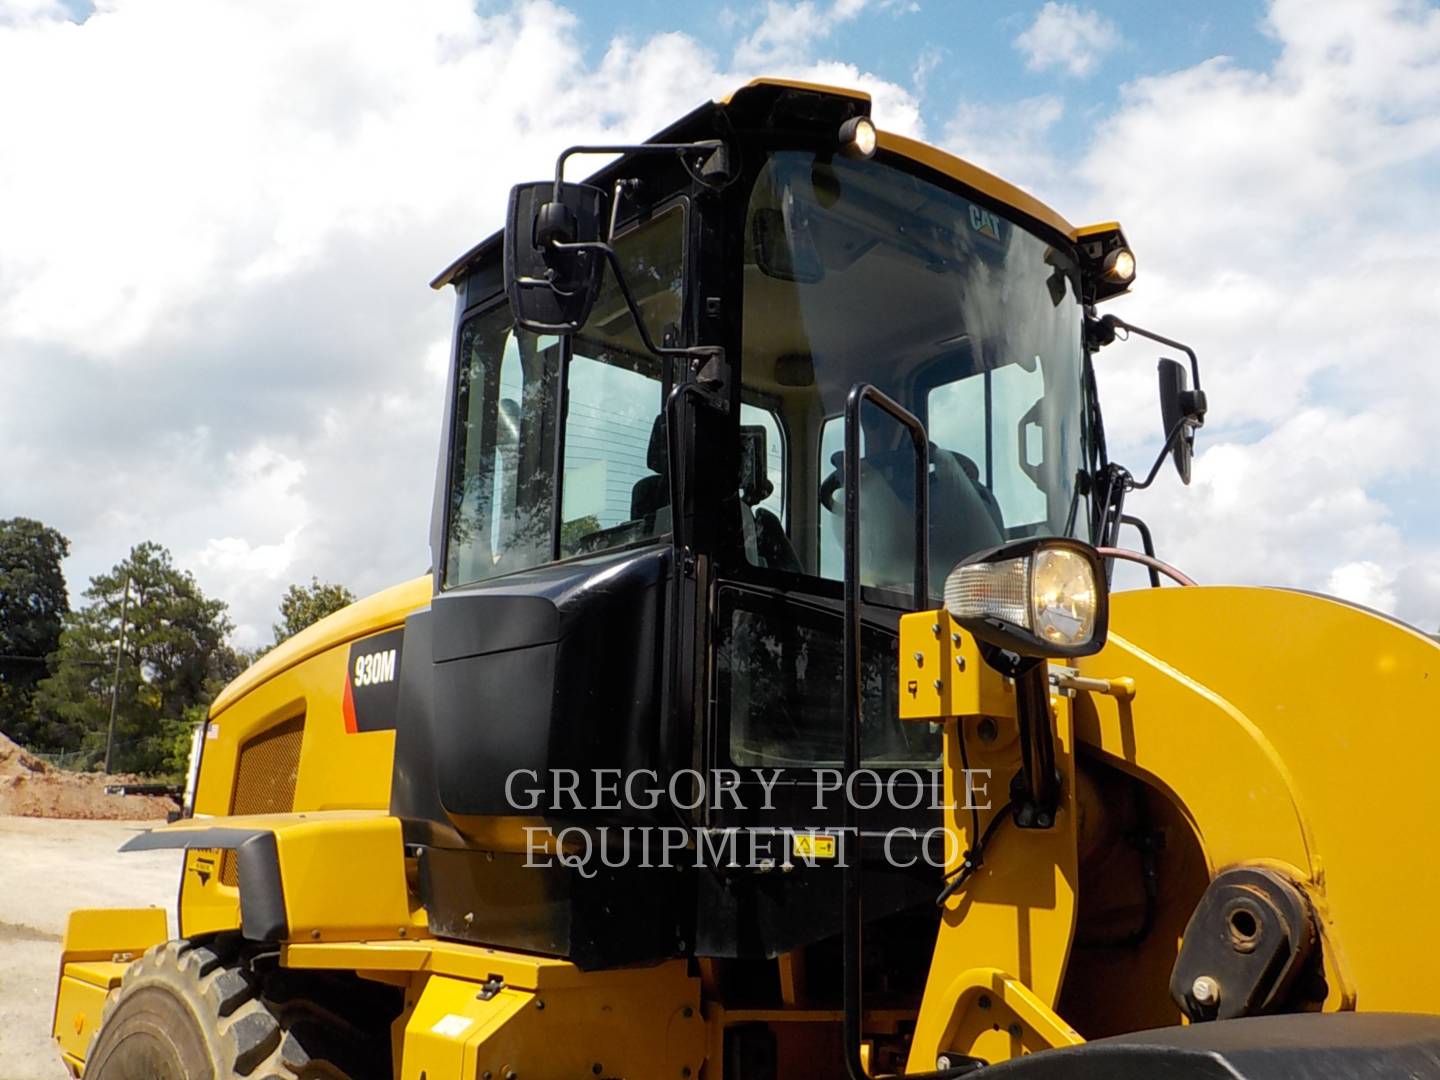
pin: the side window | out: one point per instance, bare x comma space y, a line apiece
617, 487
617, 484
780, 688
991, 420
500, 490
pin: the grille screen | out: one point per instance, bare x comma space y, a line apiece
265, 779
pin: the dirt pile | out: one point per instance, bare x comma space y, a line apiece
31, 788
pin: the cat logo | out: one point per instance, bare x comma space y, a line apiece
984, 222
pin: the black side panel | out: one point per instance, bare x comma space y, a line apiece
552, 669
414, 790
617, 916
1304, 1046
262, 894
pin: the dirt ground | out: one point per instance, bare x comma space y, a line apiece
31, 788
48, 867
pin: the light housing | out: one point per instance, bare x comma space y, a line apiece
1038, 597
858, 137
1119, 266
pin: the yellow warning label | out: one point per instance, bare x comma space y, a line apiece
810, 846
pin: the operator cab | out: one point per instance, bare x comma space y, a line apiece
638, 524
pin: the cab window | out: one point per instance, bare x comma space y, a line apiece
614, 489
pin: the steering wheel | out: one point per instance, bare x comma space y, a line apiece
946, 463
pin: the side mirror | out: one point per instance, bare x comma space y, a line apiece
551, 284
1182, 410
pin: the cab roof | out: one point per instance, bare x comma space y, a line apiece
759, 98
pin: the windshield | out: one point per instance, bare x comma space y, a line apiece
858, 272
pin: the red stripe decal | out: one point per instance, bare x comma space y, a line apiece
348, 707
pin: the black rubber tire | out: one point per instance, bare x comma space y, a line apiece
193, 1010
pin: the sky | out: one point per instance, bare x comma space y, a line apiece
219, 218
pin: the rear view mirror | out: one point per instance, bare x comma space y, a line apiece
551, 285
1182, 410
755, 486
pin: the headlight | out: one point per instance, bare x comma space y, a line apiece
1119, 266
1036, 597
858, 138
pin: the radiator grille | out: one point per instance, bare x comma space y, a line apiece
265, 779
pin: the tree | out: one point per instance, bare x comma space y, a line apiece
176, 658
33, 605
305, 604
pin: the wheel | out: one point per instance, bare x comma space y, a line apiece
195, 1010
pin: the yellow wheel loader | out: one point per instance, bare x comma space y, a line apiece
767, 712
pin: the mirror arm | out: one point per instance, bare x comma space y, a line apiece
1175, 434
679, 149
693, 353
1112, 322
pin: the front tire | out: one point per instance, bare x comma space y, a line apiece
195, 1011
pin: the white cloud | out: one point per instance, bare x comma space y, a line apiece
1364, 583
1067, 37
219, 219
1010, 139
1281, 220
788, 32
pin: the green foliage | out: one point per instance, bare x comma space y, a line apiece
575, 530
33, 605
305, 604
176, 658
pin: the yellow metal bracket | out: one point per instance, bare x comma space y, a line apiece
942, 673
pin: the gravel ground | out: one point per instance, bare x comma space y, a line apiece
48, 867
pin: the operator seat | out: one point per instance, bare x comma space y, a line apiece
651, 494
765, 538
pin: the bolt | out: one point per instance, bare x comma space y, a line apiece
935, 629
597, 1068
942, 1063
486, 1075
314, 935
960, 662
919, 659
539, 1004
687, 1012
469, 917
511, 1074
939, 685
984, 1001
400, 930
1205, 990
954, 639
1044, 820
1014, 1030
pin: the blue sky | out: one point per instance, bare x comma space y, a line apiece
255, 193
971, 44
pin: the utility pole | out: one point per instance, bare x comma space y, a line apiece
115, 683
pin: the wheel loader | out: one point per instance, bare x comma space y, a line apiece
767, 710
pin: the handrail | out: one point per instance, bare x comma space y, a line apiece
853, 925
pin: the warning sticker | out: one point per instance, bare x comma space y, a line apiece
812, 846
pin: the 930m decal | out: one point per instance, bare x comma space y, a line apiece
372, 682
